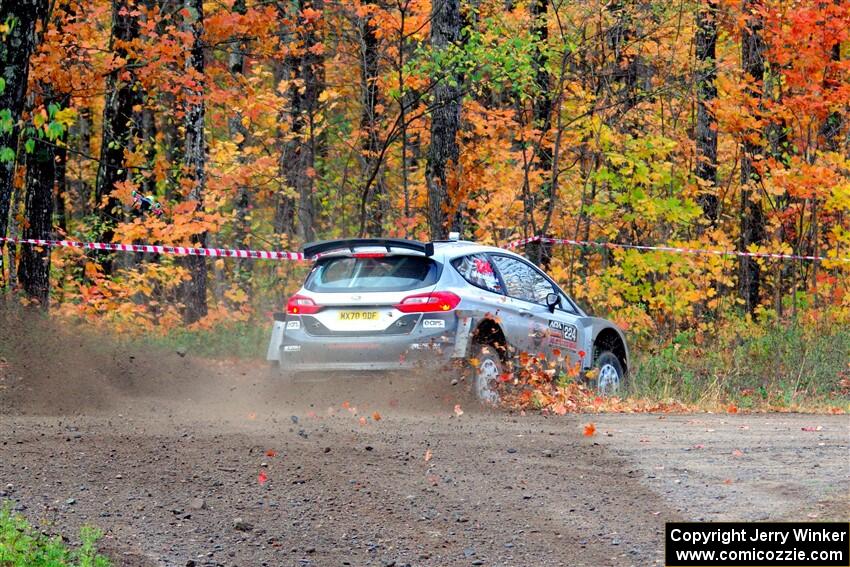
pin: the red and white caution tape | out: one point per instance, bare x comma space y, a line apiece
673, 249
296, 256
159, 249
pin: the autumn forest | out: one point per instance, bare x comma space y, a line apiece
712, 125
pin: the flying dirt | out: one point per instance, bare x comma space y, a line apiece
186, 461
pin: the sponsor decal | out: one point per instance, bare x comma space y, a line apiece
563, 334
293, 325
433, 324
291, 348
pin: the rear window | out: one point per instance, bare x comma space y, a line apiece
391, 273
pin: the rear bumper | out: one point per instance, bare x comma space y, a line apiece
432, 347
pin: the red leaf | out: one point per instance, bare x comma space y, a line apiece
589, 430
262, 477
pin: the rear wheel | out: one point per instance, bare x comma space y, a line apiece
486, 372
610, 380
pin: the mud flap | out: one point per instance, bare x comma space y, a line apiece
462, 336
276, 340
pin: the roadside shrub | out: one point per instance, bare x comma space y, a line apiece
792, 364
22, 546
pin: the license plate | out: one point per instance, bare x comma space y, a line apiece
358, 315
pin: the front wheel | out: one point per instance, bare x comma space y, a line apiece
610, 380
487, 369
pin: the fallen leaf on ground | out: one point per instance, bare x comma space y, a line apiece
737, 453
376, 416
458, 411
262, 478
811, 428
589, 430
362, 420
428, 455
271, 453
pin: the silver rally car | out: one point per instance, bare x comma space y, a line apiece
389, 304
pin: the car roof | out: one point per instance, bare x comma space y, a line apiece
455, 248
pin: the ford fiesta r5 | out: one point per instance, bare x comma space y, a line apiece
388, 304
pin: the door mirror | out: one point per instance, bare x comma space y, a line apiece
552, 301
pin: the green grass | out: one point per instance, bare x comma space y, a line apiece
248, 339
22, 546
752, 365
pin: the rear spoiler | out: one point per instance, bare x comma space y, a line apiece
315, 248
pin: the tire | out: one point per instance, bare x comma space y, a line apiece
485, 375
611, 380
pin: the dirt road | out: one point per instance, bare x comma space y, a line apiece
185, 462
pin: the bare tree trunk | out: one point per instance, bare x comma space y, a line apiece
118, 128
306, 71
443, 153
751, 214
34, 267
374, 196
241, 224
706, 124
15, 51
194, 162
538, 252
284, 207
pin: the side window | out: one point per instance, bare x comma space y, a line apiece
477, 270
522, 280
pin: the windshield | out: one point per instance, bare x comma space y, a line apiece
390, 273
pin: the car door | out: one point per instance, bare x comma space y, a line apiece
526, 321
565, 338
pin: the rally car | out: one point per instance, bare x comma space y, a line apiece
383, 304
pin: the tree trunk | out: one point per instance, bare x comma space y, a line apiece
194, 162
284, 207
536, 251
298, 160
706, 124
15, 51
118, 128
34, 267
373, 192
313, 78
443, 153
242, 202
751, 214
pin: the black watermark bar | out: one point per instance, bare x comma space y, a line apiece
757, 544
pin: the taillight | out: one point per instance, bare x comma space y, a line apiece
369, 255
429, 302
302, 305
